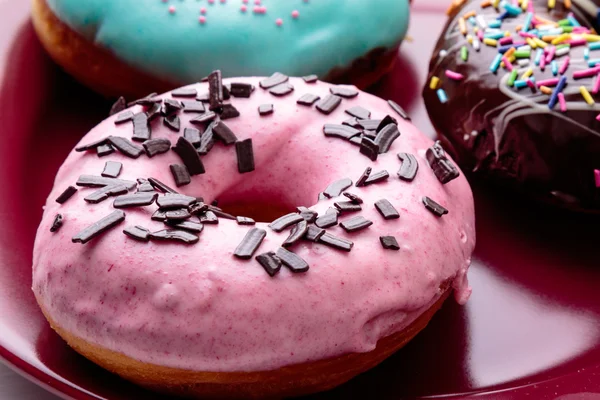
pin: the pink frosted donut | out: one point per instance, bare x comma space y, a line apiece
168, 291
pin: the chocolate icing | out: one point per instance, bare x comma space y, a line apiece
509, 135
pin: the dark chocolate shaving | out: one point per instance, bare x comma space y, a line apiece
198, 208
171, 201
215, 90
282, 89
369, 148
245, 156
112, 169
145, 187
190, 157
124, 117
336, 242
396, 107
386, 209
104, 193
328, 104
179, 214
153, 147
56, 223
223, 133
159, 215
91, 146
265, 109
228, 111
153, 112
363, 178
408, 169
308, 99
141, 128
66, 195
344, 91
291, 260
97, 181
353, 198
125, 146
386, 136
276, 79
353, 122
245, 220
118, 106
270, 262
313, 233
309, 216
287, 220
377, 177
220, 213
99, 227
434, 207
104, 150
359, 112
191, 226
184, 92
442, 167
297, 233
341, 131
389, 242
192, 135
356, 223
138, 233
149, 100
135, 200
347, 206
310, 78
369, 133
172, 122
327, 220
207, 141
243, 90
336, 188
161, 187
204, 97
175, 235
226, 91
209, 217
170, 106
250, 243
193, 107
356, 140
180, 174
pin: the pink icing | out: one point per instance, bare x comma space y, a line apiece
198, 307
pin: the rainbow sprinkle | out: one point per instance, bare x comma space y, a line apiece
442, 96
455, 76
586, 95
562, 103
512, 77
559, 88
434, 82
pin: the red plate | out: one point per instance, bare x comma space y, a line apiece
531, 329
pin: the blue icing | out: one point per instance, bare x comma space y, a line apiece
176, 46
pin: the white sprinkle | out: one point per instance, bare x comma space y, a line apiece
443, 53
562, 52
476, 44
474, 133
466, 137
525, 48
523, 62
481, 22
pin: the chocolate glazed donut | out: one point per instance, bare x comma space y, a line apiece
510, 135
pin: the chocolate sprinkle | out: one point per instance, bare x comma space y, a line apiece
396, 107
443, 168
276, 79
153, 147
223, 132
282, 89
112, 169
180, 174
408, 169
342, 91
159, 215
327, 220
310, 78
99, 227
386, 136
386, 209
102, 194
341, 131
192, 135
265, 109
138, 233
146, 101
66, 195
228, 111
153, 112
313, 233
377, 177
187, 152
126, 147
160, 186
135, 200
245, 220
328, 104
172, 122
353, 198
215, 90
141, 129
243, 90
250, 243
287, 220
336, 242
369, 148
309, 216
363, 178
198, 208
202, 118
336, 188
297, 233
104, 150
191, 226
434, 207
359, 112
175, 234
245, 156
124, 117
57, 223
145, 187
170, 106
292, 260
118, 106
96, 181
370, 124
193, 107
270, 262
91, 146
308, 99
353, 122
207, 141
389, 242
209, 217
174, 200
369, 133
179, 214
347, 206
356, 223
184, 92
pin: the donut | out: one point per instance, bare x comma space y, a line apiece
274, 244
119, 46
532, 124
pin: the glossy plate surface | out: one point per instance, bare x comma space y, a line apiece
530, 331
